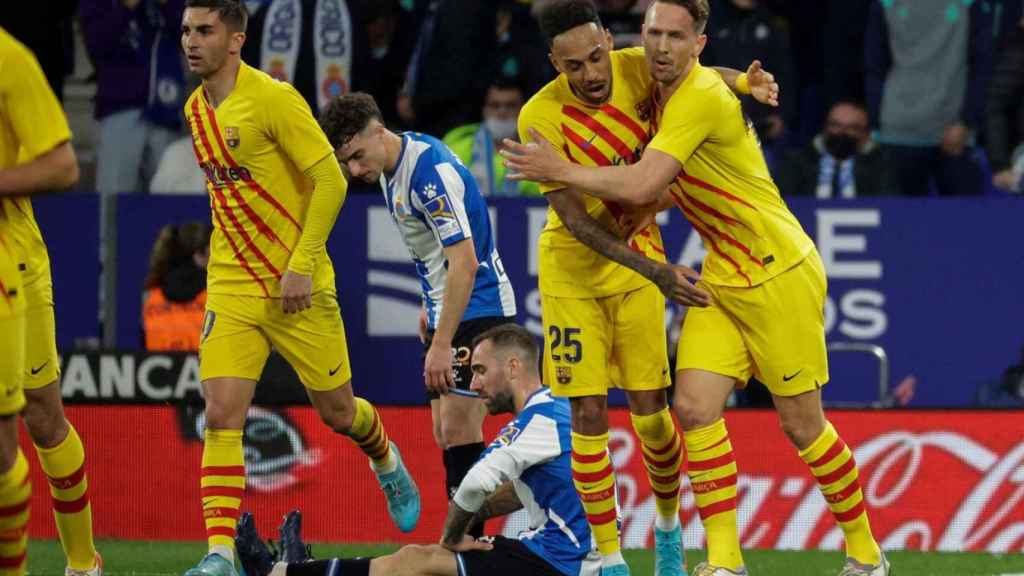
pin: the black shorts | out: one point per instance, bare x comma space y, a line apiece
462, 348
508, 558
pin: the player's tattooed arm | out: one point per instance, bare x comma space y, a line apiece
455, 525
568, 204
503, 501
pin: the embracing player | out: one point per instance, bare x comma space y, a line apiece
759, 307
604, 324
35, 156
443, 220
275, 191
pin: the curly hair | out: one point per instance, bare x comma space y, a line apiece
560, 16
347, 115
232, 12
700, 11
175, 245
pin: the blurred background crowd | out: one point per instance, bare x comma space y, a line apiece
879, 97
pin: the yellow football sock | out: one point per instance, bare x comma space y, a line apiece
833, 465
594, 478
15, 499
222, 486
662, 452
711, 467
64, 465
368, 433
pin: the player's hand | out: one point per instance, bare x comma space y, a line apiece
536, 160
763, 86
296, 292
1003, 179
468, 543
677, 284
954, 139
423, 325
437, 368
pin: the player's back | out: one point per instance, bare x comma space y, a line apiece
558, 527
435, 202
32, 123
613, 133
253, 149
725, 189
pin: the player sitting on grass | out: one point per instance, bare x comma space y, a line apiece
526, 466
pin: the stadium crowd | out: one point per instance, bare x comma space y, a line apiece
879, 97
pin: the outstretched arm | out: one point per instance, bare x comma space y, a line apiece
630, 184
756, 81
54, 170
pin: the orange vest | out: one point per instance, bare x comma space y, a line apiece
172, 326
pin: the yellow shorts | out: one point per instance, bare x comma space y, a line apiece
42, 365
774, 331
12, 338
238, 332
592, 344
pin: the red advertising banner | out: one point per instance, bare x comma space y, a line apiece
932, 480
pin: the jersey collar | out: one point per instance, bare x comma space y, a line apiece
389, 174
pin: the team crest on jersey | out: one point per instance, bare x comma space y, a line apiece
643, 110
231, 136
507, 435
563, 374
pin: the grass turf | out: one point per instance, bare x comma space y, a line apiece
139, 558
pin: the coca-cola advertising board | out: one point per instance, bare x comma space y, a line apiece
932, 480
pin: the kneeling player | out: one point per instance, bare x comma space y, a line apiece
527, 466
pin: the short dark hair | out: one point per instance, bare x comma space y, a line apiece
559, 16
512, 335
231, 12
700, 11
503, 82
347, 115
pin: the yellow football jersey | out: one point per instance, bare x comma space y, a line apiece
725, 189
32, 123
613, 133
254, 148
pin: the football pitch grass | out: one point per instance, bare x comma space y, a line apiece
139, 558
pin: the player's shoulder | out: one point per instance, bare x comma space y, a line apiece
14, 56
631, 62
195, 95
260, 86
547, 102
542, 403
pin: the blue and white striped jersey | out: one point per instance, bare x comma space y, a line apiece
435, 203
533, 451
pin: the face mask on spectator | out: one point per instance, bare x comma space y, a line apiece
500, 129
841, 146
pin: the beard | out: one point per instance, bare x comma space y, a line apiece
501, 403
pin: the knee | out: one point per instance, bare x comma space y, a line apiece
439, 435
694, 414
219, 416
456, 430
589, 417
45, 423
802, 432
338, 418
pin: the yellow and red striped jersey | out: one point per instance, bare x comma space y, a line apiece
32, 123
254, 148
724, 188
613, 133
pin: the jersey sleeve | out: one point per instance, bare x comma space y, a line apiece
507, 458
439, 192
34, 112
543, 118
291, 124
689, 119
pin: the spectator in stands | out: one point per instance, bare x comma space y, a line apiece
1004, 115
841, 162
477, 145
174, 301
322, 55
391, 34
927, 66
441, 91
140, 85
178, 172
520, 50
739, 32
